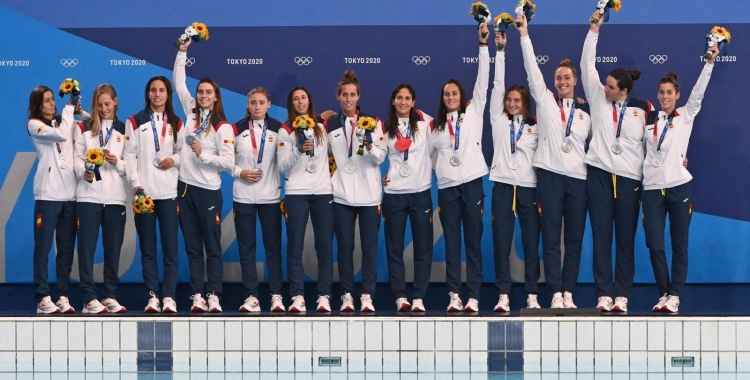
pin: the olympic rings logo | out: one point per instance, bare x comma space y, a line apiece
420, 60
69, 62
303, 61
189, 62
658, 59
542, 59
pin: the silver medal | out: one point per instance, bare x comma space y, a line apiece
260, 171
616, 148
658, 160
455, 160
62, 163
157, 161
311, 167
405, 171
513, 163
189, 139
567, 146
350, 167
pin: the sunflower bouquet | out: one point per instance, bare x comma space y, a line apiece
197, 32
719, 36
604, 6
481, 13
365, 126
527, 8
69, 86
143, 204
502, 22
94, 160
306, 125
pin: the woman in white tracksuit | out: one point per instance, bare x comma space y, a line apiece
615, 170
357, 191
667, 185
514, 137
308, 195
257, 197
54, 196
152, 168
206, 148
564, 125
407, 194
460, 166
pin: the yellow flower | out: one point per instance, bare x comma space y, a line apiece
66, 87
366, 123
722, 32
199, 27
147, 202
618, 5
532, 5
310, 122
93, 156
503, 17
295, 123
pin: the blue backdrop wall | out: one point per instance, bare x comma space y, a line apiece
282, 44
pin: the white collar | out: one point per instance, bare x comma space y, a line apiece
403, 121
453, 116
567, 102
517, 118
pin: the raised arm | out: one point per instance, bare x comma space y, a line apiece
537, 87
43, 133
479, 97
693, 105
589, 76
498, 85
179, 81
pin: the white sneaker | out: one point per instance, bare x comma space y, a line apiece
621, 305
170, 306
113, 306
347, 302
402, 304
366, 302
298, 304
94, 307
662, 300
213, 304
153, 304
557, 301
531, 302
568, 301
276, 304
45, 306
604, 303
472, 306
417, 306
199, 304
672, 305
324, 304
64, 304
251, 305
456, 304
503, 304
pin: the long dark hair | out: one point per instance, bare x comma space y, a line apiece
217, 114
292, 113
625, 78
525, 100
168, 107
442, 115
392, 123
36, 101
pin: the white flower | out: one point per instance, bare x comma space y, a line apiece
601, 5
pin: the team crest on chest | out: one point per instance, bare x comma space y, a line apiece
270, 138
580, 116
635, 113
118, 139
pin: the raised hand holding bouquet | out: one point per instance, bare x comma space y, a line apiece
481, 14
502, 23
719, 37
604, 6
526, 8
197, 32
